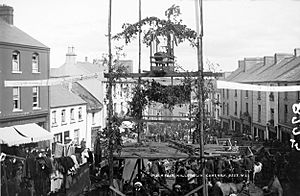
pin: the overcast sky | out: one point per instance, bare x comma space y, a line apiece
233, 29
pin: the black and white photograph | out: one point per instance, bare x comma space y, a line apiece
149, 98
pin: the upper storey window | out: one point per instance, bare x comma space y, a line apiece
35, 63
16, 61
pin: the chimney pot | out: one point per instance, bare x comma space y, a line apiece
6, 14
71, 56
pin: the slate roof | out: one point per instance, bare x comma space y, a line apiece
62, 97
246, 76
286, 70
94, 87
269, 73
79, 68
291, 72
13, 35
93, 104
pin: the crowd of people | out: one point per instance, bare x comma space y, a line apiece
169, 176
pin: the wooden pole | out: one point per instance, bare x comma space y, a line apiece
200, 90
110, 101
139, 84
140, 54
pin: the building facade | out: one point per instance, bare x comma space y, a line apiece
22, 58
68, 116
266, 115
88, 91
93, 91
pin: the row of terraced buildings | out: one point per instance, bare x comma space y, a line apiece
266, 115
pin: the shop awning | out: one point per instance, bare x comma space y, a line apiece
34, 132
10, 136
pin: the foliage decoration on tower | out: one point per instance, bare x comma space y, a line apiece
116, 141
152, 91
154, 27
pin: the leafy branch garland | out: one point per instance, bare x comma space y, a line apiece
113, 139
156, 27
153, 91
116, 142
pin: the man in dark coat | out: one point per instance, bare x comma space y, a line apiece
97, 149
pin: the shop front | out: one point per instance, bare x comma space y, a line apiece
259, 131
246, 123
225, 124
236, 124
272, 132
246, 129
285, 133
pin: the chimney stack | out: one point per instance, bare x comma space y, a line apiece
6, 14
241, 65
280, 56
250, 62
268, 60
71, 56
297, 52
86, 59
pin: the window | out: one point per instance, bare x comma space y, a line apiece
271, 96
235, 108
272, 113
66, 137
58, 137
223, 93
53, 117
72, 117
16, 98
80, 113
247, 94
227, 90
285, 113
16, 61
235, 93
218, 98
35, 97
259, 113
93, 118
63, 116
223, 108
285, 93
76, 136
227, 109
258, 95
35, 63
247, 108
